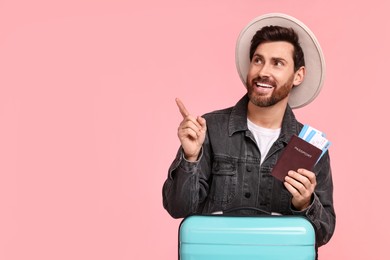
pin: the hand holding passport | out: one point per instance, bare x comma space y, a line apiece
302, 151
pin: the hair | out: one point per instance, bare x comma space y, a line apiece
277, 33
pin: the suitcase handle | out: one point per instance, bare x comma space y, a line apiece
243, 208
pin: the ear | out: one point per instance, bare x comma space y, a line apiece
299, 75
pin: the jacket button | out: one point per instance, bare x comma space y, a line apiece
248, 169
247, 195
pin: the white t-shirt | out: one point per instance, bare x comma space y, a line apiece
265, 138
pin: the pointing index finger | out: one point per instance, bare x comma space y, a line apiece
182, 108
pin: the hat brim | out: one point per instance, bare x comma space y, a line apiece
311, 86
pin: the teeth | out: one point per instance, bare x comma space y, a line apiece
263, 85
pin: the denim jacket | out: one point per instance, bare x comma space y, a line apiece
228, 174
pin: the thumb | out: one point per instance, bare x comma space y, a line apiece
202, 123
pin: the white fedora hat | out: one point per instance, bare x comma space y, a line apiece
311, 86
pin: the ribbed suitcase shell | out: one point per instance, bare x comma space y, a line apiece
243, 238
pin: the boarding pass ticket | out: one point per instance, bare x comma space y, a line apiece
315, 137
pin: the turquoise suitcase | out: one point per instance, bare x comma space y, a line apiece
220, 237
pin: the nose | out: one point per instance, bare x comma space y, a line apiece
264, 70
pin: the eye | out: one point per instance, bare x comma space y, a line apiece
257, 60
278, 63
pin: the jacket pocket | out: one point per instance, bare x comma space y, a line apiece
224, 180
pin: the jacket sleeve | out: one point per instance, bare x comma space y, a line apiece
321, 211
187, 184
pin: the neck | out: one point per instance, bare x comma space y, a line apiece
267, 117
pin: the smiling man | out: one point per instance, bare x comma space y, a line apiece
227, 156
272, 75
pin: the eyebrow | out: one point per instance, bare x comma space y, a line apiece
279, 59
256, 55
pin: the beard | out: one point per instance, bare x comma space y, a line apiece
279, 93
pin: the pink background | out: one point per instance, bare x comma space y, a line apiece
88, 119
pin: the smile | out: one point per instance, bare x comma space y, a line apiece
263, 85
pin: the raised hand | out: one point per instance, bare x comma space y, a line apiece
191, 132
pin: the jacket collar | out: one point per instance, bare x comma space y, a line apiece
238, 120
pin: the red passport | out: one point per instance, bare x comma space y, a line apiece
297, 154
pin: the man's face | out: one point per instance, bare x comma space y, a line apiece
271, 73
